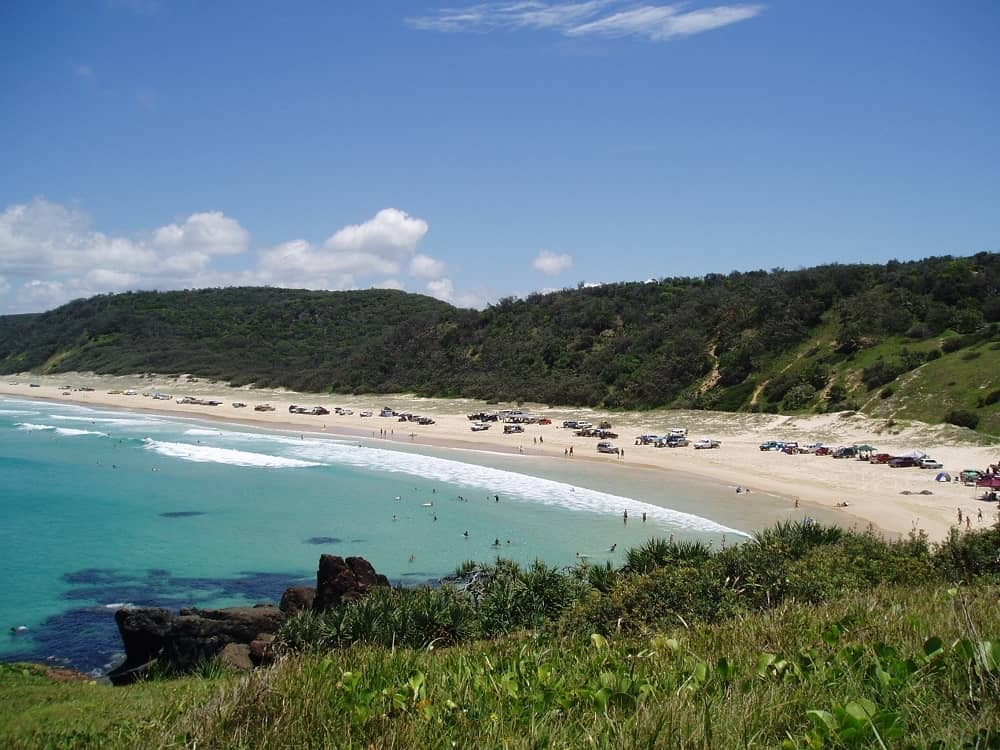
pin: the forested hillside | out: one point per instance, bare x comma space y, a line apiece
920, 339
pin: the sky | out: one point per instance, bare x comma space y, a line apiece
483, 149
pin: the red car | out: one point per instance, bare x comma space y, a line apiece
880, 458
824, 451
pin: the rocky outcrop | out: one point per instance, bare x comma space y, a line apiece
241, 636
184, 640
297, 599
339, 581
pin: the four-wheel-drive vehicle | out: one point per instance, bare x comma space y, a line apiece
511, 428
824, 450
880, 458
771, 445
479, 426
677, 442
706, 443
605, 447
902, 462
845, 452
929, 463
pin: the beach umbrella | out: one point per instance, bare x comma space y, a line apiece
992, 482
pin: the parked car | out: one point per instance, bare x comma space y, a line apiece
845, 452
824, 450
512, 428
771, 445
605, 447
880, 458
902, 462
706, 443
479, 426
677, 442
929, 463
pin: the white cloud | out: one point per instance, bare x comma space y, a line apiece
612, 18
442, 289
391, 233
212, 233
552, 263
50, 254
425, 267
660, 23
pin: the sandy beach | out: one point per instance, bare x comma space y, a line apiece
894, 501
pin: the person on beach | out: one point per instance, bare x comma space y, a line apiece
644, 516
496, 498
625, 516
960, 515
980, 516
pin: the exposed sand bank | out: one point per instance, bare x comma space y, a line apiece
874, 492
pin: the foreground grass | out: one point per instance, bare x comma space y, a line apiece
892, 667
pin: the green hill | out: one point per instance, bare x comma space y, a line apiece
916, 340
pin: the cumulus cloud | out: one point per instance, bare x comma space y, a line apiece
552, 263
425, 267
211, 233
609, 18
50, 254
391, 234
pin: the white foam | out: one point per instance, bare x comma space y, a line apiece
498, 481
117, 421
208, 454
73, 432
119, 605
29, 427
18, 412
203, 433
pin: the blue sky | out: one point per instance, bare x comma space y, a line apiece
483, 149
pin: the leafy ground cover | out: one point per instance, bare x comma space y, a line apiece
805, 637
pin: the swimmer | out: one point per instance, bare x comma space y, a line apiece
613, 547
394, 517
466, 535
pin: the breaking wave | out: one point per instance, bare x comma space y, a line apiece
209, 454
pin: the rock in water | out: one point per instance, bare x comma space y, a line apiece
339, 581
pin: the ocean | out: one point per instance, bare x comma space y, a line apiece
105, 508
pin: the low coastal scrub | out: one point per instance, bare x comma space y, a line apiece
806, 636
662, 583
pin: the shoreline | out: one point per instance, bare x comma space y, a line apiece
775, 480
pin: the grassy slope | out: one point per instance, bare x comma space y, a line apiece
697, 687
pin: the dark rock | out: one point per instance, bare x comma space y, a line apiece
194, 635
339, 580
237, 656
262, 650
297, 599
184, 640
143, 633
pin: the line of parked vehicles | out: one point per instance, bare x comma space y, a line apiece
860, 452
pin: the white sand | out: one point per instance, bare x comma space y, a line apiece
874, 492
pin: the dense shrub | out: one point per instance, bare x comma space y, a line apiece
962, 418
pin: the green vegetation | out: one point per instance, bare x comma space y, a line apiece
917, 339
805, 637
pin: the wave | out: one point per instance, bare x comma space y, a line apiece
511, 485
64, 431
116, 421
17, 412
208, 454
29, 427
203, 433
73, 432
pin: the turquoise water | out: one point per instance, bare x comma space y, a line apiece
103, 508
